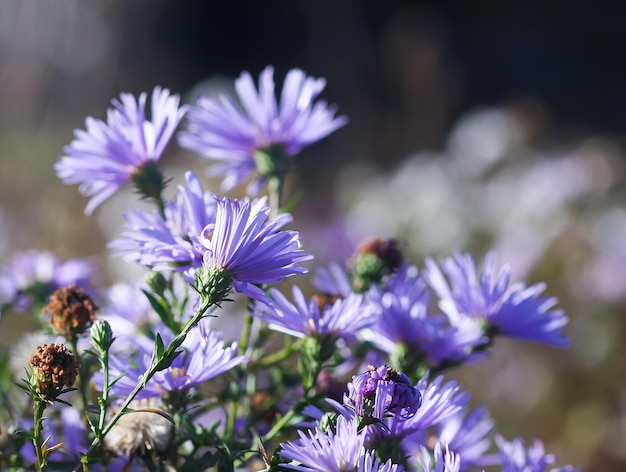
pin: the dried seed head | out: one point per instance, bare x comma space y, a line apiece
53, 368
325, 300
71, 311
140, 432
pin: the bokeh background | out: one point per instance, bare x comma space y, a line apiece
473, 126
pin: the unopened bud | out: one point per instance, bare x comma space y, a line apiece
101, 335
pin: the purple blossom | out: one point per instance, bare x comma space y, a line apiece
516, 311
467, 434
517, 458
251, 250
339, 318
443, 460
404, 319
333, 280
382, 392
327, 450
171, 242
205, 356
220, 129
439, 401
107, 155
32, 276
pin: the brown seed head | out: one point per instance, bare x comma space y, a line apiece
324, 300
388, 250
54, 367
71, 311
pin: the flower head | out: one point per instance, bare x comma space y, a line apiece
381, 392
170, 241
53, 368
247, 249
331, 451
517, 458
107, 155
140, 431
319, 316
515, 311
438, 401
261, 134
71, 311
406, 325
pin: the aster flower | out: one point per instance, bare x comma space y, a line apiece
31, 277
338, 451
516, 311
107, 155
242, 247
205, 356
170, 241
382, 392
333, 280
517, 458
316, 317
262, 134
405, 326
443, 460
439, 401
467, 434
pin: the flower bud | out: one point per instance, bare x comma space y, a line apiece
101, 335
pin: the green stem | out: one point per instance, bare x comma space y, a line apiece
145, 378
104, 400
38, 441
242, 348
275, 190
278, 356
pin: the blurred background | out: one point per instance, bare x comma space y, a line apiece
473, 126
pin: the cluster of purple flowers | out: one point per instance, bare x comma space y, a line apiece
377, 310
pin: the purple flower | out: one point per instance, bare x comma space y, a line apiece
516, 311
369, 463
333, 280
382, 392
107, 155
318, 316
444, 460
31, 277
466, 433
517, 458
171, 242
235, 136
439, 401
250, 250
405, 320
205, 356
327, 450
